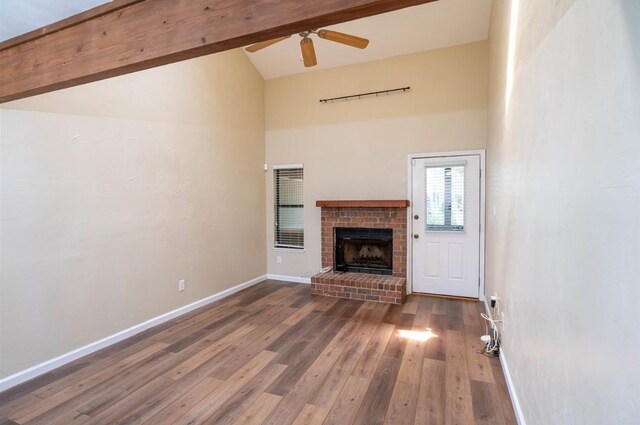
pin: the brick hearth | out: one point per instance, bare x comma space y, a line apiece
364, 214
360, 286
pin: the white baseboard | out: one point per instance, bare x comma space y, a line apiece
42, 368
296, 279
512, 391
507, 375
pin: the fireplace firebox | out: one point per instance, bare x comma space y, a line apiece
364, 250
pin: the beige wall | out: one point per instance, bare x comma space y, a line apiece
113, 191
563, 201
358, 149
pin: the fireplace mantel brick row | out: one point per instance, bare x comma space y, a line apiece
361, 286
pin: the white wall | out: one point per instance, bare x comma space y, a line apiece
113, 191
563, 234
358, 149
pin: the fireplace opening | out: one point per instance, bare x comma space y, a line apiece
362, 250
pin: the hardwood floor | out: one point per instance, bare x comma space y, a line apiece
273, 354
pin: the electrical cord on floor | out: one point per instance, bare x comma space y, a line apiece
491, 347
482, 352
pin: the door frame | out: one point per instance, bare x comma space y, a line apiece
452, 154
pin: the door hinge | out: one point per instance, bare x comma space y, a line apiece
481, 173
413, 162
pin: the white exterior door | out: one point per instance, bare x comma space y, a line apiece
445, 215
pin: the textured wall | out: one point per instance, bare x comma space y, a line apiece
563, 235
358, 149
113, 191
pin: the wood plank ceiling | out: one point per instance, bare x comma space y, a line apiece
125, 36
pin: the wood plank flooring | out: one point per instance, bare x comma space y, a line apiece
274, 354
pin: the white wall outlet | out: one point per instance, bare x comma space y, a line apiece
279, 259
502, 318
266, 167
181, 285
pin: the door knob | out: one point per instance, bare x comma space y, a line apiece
416, 236
415, 217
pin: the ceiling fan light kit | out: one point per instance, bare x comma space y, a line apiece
306, 44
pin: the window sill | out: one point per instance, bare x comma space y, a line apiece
293, 250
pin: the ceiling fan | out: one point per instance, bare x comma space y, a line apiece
306, 44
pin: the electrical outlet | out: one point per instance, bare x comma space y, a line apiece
279, 259
502, 318
181, 285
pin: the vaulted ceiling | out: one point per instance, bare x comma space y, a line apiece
18, 17
429, 26
144, 39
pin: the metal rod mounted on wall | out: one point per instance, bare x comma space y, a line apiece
361, 95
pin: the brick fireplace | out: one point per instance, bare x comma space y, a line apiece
365, 244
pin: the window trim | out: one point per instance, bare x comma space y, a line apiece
450, 227
288, 166
276, 246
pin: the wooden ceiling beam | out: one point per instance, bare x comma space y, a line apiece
125, 36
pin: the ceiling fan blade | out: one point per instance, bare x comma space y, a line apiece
263, 44
308, 52
340, 37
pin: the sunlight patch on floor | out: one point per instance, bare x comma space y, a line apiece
417, 335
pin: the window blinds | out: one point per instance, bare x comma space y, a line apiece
289, 208
444, 196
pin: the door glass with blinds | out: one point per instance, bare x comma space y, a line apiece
289, 207
444, 197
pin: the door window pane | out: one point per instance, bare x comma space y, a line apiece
444, 198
